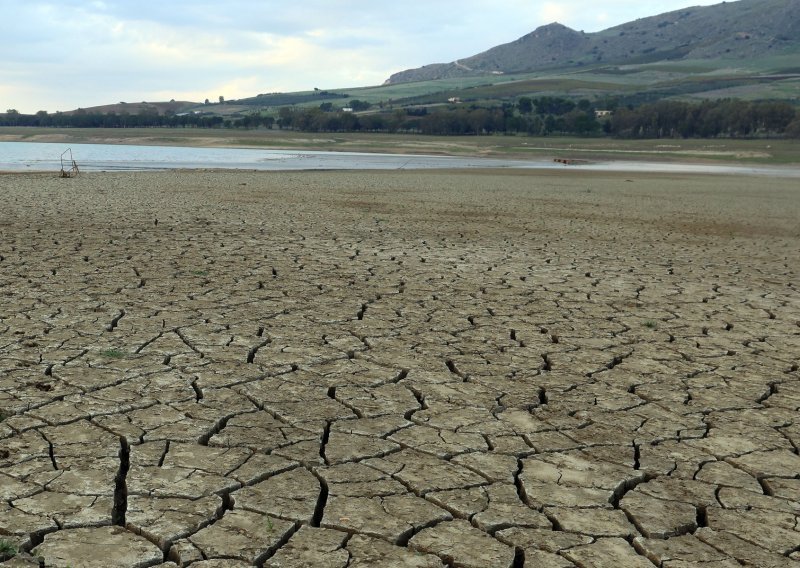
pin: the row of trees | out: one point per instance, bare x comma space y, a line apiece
355, 105
535, 117
84, 119
442, 121
553, 115
709, 119
550, 105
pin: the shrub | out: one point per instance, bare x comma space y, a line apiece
7, 550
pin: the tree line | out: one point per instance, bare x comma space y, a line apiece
447, 120
708, 119
554, 115
85, 119
540, 116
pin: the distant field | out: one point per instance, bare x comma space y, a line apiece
747, 151
785, 89
774, 77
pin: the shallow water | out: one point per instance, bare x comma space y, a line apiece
40, 156
18, 156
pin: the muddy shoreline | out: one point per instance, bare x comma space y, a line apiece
762, 152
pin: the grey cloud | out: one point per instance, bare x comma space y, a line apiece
110, 49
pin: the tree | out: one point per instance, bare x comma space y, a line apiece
221, 99
549, 124
553, 105
397, 120
286, 116
793, 130
358, 105
525, 105
373, 122
581, 122
773, 116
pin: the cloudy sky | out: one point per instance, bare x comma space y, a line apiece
81, 53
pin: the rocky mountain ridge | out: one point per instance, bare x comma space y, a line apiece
728, 31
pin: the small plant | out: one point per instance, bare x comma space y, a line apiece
113, 354
200, 273
7, 550
650, 324
270, 525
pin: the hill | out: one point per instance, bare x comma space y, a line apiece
159, 108
731, 31
747, 50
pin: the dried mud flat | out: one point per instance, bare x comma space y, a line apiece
482, 369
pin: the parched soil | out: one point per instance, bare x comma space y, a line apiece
463, 369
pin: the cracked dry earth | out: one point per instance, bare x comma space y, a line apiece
463, 369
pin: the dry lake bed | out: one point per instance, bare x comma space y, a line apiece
399, 369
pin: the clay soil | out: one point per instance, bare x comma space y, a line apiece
464, 369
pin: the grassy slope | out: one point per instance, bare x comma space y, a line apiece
767, 77
774, 77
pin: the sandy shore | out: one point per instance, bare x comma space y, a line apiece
483, 368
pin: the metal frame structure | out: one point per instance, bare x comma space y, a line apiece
69, 167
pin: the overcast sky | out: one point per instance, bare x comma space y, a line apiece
81, 53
